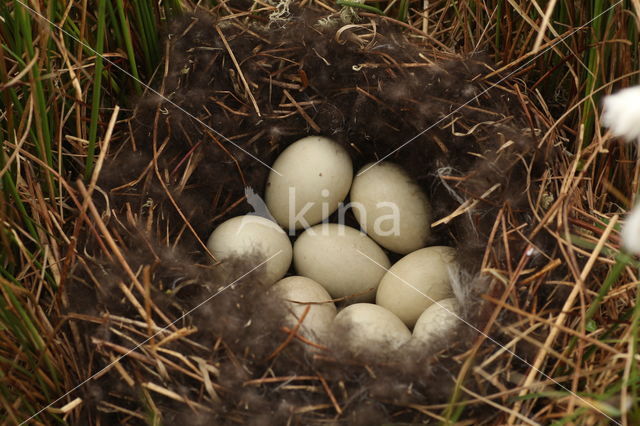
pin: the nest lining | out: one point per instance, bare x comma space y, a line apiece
370, 88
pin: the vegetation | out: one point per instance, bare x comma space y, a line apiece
66, 65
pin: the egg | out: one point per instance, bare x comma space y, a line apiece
253, 235
308, 182
416, 281
371, 327
391, 207
344, 260
298, 292
437, 321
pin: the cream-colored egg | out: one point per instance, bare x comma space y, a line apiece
300, 293
344, 260
391, 207
315, 175
253, 235
371, 327
437, 321
416, 281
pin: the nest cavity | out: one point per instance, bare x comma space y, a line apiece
231, 95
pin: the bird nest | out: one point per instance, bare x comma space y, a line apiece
198, 341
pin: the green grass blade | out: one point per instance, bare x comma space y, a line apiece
97, 90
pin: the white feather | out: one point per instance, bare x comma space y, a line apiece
622, 113
631, 231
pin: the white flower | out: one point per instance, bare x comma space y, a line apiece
621, 113
631, 231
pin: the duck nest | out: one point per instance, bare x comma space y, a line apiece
178, 336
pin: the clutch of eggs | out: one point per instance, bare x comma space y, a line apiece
309, 181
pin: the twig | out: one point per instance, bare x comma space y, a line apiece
237, 65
